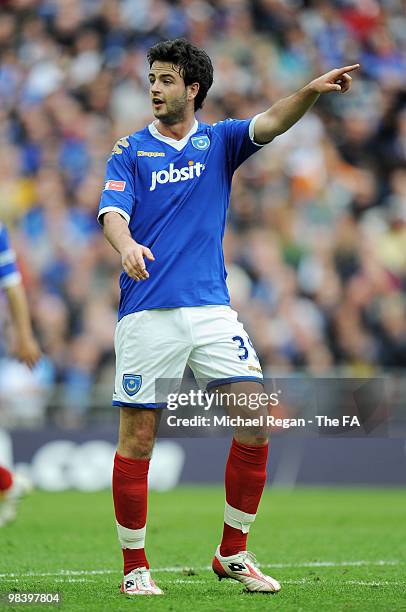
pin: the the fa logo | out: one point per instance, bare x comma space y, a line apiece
132, 383
201, 142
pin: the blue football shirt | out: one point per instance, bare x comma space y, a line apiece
174, 196
9, 274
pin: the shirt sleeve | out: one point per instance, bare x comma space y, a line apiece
239, 139
119, 188
9, 274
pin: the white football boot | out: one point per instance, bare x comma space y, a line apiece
243, 567
139, 582
9, 500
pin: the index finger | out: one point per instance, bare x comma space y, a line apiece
339, 71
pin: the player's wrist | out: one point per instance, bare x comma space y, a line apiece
312, 88
24, 333
127, 242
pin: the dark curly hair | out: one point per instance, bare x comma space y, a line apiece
194, 63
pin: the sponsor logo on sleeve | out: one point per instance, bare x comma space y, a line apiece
114, 186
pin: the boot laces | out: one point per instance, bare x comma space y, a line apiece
249, 556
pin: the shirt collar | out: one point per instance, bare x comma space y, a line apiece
176, 144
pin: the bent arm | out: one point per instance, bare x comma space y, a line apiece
287, 111
116, 231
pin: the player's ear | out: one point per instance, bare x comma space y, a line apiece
192, 91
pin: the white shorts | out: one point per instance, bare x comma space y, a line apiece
157, 344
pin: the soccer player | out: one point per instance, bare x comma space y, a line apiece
14, 486
163, 209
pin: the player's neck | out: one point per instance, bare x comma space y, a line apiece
176, 131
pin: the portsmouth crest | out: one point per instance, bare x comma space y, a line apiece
200, 142
132, 383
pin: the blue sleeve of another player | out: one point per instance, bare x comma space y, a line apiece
119, 188
9, 274
239, 140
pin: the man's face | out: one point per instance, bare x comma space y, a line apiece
168, 92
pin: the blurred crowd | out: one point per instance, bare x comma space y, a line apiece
316, 240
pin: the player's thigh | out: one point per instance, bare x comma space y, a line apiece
223, 352
151, 349
248, 404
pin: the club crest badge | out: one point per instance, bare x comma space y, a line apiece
200, 142
132, 383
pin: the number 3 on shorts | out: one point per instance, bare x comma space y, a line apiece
242, 346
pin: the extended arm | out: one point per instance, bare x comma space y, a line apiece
27, 347
116, 231
287, 111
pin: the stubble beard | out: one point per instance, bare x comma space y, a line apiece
175, 111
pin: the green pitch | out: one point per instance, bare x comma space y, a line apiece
331, 549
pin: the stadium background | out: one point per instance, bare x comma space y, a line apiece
316, 239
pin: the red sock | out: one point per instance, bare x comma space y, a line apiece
244, 482
130, 490
6, 479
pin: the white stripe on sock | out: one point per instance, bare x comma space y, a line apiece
131, 538
238, 519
